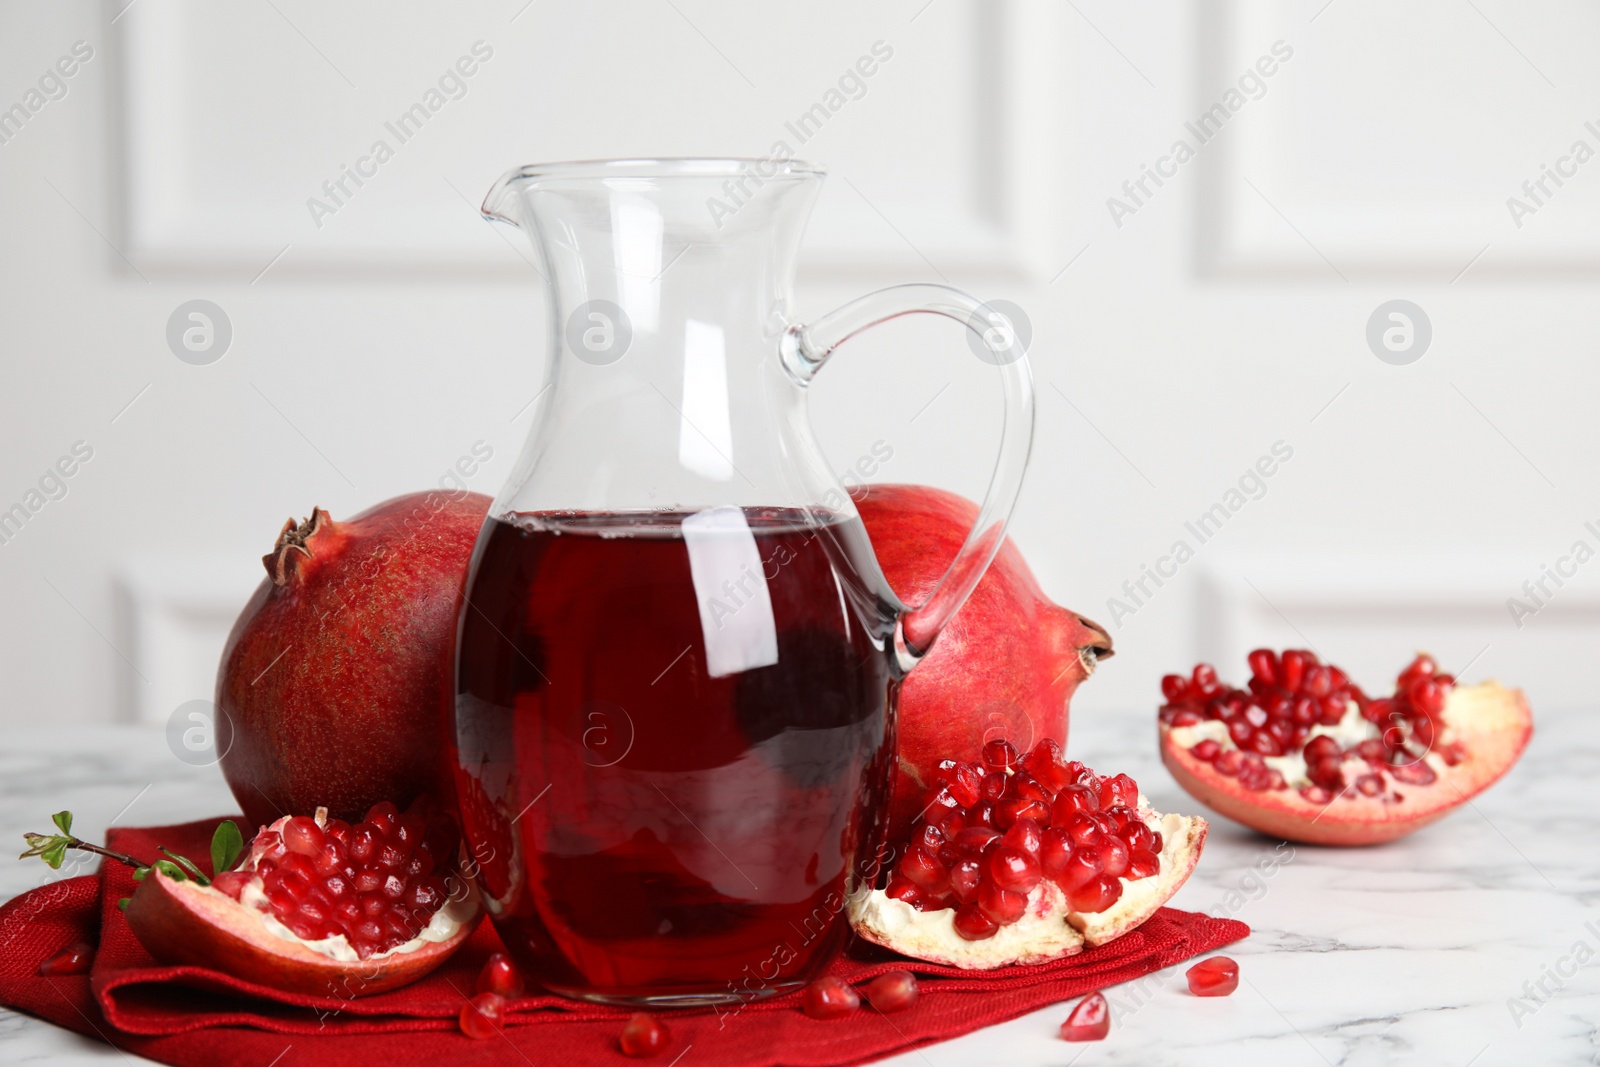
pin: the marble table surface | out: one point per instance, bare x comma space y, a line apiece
1461, 945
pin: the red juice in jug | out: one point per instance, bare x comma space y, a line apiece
674, 744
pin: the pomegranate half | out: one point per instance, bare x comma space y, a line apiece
338, 676
1305, 755
1005, 667
1026, 859
316, 906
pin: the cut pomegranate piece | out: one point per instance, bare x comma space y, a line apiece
829, 998
644, 1036
1215, 977
1305, 755
329, 925
892, 991
483, 1016
1088, 862
1089, 1020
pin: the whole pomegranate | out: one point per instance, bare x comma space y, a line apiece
337, 677
1006, 666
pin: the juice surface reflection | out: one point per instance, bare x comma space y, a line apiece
674, 741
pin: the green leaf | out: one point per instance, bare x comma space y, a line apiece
63, 821
56, 854
38, 844
171, 870
187, 864
226, 844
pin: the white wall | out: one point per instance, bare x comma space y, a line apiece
1223, 315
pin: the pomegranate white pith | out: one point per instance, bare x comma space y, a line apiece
1372, 772
1026, 859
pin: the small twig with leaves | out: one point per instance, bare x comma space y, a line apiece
226, 845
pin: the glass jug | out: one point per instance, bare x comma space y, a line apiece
677, 657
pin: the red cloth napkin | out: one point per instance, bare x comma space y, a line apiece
191, 1016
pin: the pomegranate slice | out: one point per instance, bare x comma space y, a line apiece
316, 906
1088, 862
1305, 755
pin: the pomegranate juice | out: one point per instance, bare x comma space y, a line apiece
674, 746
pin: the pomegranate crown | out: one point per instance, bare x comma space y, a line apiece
293, 540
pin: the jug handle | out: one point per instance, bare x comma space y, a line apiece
806, 347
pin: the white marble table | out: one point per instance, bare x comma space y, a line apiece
1411, 953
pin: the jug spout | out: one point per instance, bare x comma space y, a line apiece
500, 204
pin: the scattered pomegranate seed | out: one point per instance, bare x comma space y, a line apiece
1090, 1020
501, 976
1215, 977
892, 991
483, 1015
644, 1036
829, 998
74, 959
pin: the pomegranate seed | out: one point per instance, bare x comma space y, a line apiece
922, 868
964, 784
1319, 682
972, 924
1229, 763
1239, 730
1185, 717
1264, 744
902, 888
1215, 977
1371, 750
929, 839
1008, 812
303, 836
1001, 905
993, 786
1082, 865
1000, 755
1264, 665
383, 816
982, 815
965, 877
1138, 835
1417, 773
1205, 750
976, 840
1013, 869
892, 991
829, 998
1321, 747
74, 959
501, 976
1327, 773
1427, 696
1028, 787
1369, 785
1054, 849
643, 1036
1025, 836
1046, 764
1205, 677
1083, 829
1119, 789
1073, 798
1315, 794
1142, 863
483, 1015
1174, 687
1114, 856
1089, 1020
